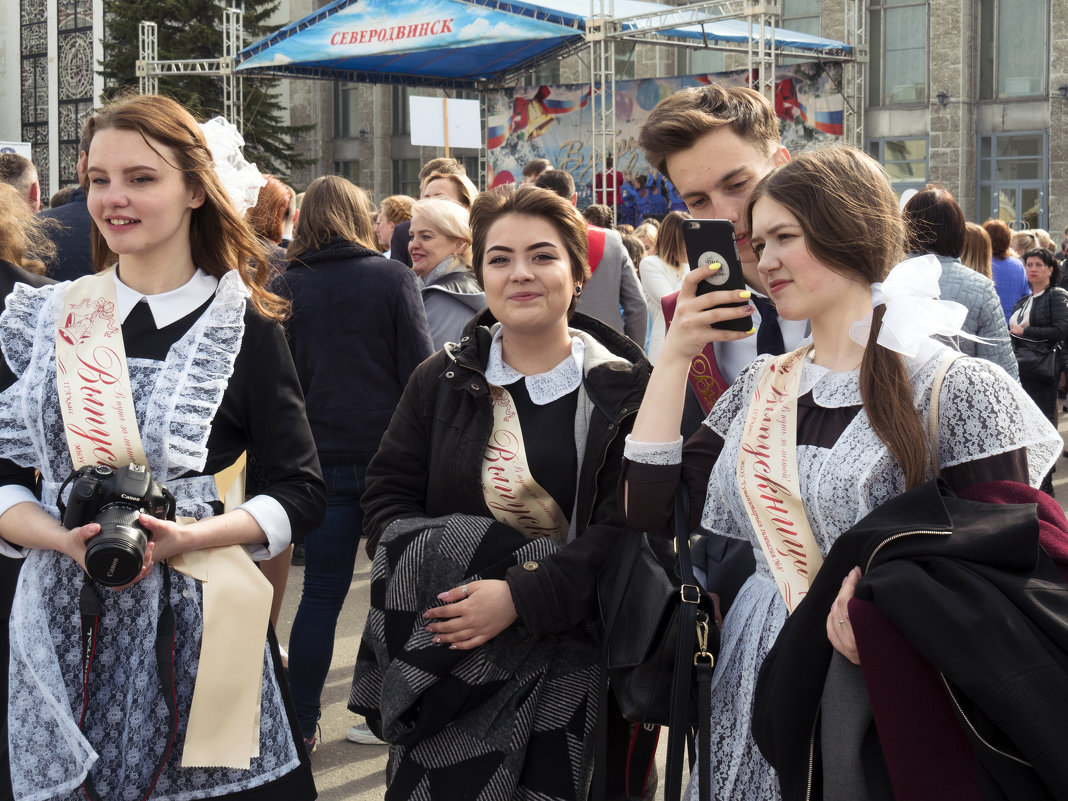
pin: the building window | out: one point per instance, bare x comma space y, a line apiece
898, 64
1013, 176
1013, 48
349, 170
904, 159
624, 60
346, 111
402, 119
406, 177
34, 81
802, 16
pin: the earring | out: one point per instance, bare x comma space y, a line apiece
578, 290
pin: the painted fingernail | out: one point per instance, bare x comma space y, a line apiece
745, 294
751, 330
443, 596
437, 640
713, 266
453, 648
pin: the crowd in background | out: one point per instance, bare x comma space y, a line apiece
417, 330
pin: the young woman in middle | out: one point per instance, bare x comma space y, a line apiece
491, 505
804, 445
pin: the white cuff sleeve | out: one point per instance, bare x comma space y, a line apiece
653, 452
275, 524
12, 495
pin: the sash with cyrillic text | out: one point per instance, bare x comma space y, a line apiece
512, 495
768, 479
96, 402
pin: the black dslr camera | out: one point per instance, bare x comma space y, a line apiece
114, 498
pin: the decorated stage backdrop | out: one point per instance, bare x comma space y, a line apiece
555, 122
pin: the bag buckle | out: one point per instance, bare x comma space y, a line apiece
690, 593
702, 654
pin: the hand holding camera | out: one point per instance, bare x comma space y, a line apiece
115, 500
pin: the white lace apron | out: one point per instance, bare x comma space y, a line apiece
982, 413
126, 724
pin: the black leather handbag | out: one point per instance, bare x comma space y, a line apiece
1038, 359
660, 632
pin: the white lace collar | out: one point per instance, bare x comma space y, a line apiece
543, 388
837, 389
167, 307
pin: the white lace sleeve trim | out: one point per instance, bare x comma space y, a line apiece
274, 521
185, 400
659, 453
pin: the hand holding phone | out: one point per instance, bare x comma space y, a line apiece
709, 241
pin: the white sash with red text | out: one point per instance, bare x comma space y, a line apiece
96, 402
511, 492
768, 479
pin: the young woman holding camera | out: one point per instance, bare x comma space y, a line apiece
149, 691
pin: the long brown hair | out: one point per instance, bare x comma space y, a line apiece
269, 213
220, 240
333, 207
843, 202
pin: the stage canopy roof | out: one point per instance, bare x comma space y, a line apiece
468, 43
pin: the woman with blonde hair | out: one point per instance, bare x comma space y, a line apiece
267, 219
646, 234
345, 297
440, 249
976, 251
165, 686
662, 273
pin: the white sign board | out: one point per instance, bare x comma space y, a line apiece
22, 148
428, 115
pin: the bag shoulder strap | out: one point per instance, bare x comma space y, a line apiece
932, 417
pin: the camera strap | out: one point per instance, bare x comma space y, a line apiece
166, 634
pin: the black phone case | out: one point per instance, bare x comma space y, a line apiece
713, 240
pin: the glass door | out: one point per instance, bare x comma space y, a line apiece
1013, 170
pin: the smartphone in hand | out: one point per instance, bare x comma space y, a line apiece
710, 241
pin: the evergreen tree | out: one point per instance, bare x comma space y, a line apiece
193, 29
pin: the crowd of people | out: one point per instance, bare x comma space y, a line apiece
207, 376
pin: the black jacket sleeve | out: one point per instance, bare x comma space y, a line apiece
264, 411
397, 476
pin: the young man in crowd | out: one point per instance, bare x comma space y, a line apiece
714, 144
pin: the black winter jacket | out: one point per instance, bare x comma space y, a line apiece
968, 585
357, 331
1049, 315
430, 464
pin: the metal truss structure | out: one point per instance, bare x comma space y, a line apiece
150, 67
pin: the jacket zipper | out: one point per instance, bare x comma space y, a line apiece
812, 753
888, 540
978, 736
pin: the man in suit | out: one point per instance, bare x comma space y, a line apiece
613, 294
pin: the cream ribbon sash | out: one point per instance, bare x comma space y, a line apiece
511, 492
768, 479
101, 428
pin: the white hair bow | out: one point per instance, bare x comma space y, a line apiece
914, 312
241, 180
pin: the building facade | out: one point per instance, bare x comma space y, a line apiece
971, 94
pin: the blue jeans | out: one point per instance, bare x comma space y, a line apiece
330, 553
